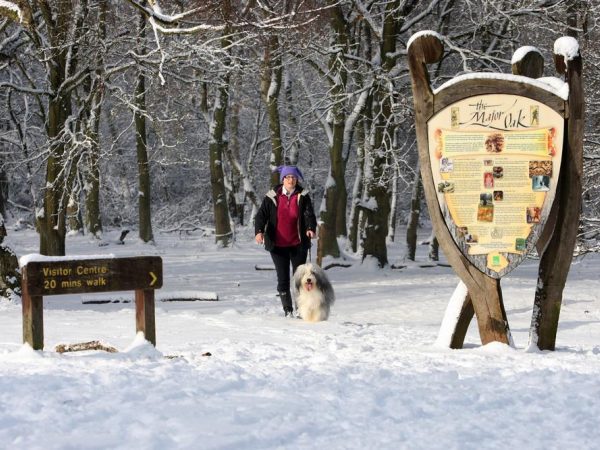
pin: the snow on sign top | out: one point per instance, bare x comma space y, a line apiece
36, 257
566, 46
423, 33
521, 52
557, 87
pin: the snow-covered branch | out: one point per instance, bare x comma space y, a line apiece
11, 11
24, 89
154, 11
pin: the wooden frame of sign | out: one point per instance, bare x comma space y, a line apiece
45, 276
501, 160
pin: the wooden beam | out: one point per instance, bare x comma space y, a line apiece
531, 64
68, 276
144, 314
33, 320
558, 254
484, 291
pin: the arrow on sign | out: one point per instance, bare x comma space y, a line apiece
154, 278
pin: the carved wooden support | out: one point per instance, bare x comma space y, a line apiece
484, 291
558, 253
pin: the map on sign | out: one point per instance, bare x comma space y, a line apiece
495, 161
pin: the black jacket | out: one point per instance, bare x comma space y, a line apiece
266, 218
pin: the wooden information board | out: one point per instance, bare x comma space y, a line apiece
495, 163
93, 275
501, 158
59, 276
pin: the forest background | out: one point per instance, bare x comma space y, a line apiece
173, 116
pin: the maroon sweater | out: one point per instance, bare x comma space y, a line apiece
287, 234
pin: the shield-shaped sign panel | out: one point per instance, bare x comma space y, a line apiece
495, 161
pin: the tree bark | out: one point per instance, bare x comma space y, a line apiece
52, 220
10, 274
332, 215
355, 212
223, 231
270, 88
413, 221
141, 140
557, 257
93, 218
378, 186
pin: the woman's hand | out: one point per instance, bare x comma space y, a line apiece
259, 238
310, 234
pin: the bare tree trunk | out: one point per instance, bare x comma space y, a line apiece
74, 216
413, 221
93, 220
52, 221
333, 208
358, 188
270, 88
144, 199
10, 275
236, 195
393, 208
377, 210
434, 248
223, 231
292, 156
4, 127
92, 199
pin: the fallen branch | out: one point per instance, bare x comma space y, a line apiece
82, 346
330, 265
160, 296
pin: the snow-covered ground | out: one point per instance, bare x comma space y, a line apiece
369, 378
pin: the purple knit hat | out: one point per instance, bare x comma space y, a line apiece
289, 170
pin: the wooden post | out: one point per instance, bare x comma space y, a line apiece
531, 65
484, 291
462, 324
33, 320
43, 277
144, 314
320, 245
556, 258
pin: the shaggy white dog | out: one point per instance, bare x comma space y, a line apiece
313, 293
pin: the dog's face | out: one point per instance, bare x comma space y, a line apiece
309, 281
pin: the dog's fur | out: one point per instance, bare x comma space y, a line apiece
313, 293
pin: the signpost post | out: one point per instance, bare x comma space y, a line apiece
498, 181
45, 276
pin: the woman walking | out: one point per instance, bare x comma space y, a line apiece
285, 224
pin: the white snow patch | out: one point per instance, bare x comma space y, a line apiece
520, 53
36, 257
566, 46
451, 315
423, 33
141, 348
508, 77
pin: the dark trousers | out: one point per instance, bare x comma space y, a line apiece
282, 257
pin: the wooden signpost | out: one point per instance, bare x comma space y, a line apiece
45, 276
501, 163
